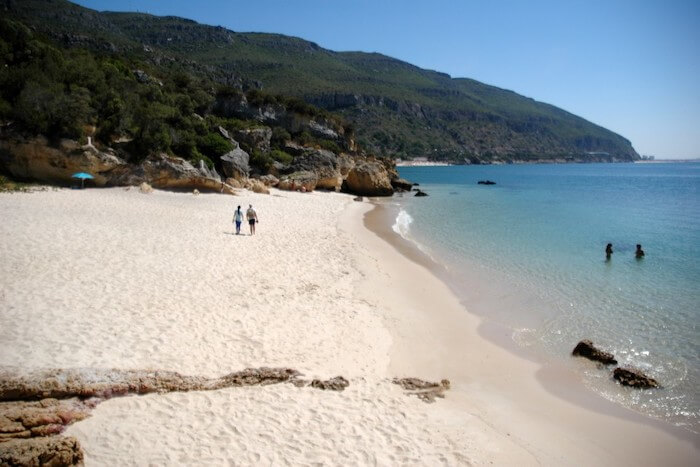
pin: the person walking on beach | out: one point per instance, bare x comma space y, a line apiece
238, 218
608, 251
252, 217
639, 254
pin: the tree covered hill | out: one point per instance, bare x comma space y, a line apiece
395, 108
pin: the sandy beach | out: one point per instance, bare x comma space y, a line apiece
113, 278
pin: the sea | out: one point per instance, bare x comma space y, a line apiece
528, 255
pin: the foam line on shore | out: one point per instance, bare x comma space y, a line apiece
573, 403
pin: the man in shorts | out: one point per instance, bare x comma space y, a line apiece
252, 217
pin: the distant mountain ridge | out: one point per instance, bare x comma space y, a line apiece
396, 108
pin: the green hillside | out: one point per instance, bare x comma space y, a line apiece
396, 108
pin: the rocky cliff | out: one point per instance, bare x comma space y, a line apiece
395, 108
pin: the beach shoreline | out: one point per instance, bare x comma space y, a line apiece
554, 378
112, 278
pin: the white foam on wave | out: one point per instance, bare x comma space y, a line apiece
402, 224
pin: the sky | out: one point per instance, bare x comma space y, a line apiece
632, 66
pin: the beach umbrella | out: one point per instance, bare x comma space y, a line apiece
82, 176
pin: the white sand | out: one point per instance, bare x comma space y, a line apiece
113, 278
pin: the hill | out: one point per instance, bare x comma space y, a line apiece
395, 108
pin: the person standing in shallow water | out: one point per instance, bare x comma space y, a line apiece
608, 252
238, 219
252, 217
639, 254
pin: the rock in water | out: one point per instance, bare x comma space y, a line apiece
420, 193
586, 349
401, 184
55, 451
634, 378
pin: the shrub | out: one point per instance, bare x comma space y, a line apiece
281, 156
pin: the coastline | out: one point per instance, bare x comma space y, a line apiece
567, 408
314, 290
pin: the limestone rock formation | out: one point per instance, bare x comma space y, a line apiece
369, 178
90, 382
401, 184
426, 391
165, 171
235, 164
51, 452
634, 378
36, 159
275, 114
324, 164
304, 181
255, 138
257, 186
27, 419
334, 384
269, 180
586, 349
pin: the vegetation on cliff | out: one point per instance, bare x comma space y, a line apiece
127, 103
396, 108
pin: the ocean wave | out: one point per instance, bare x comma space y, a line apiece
402, 225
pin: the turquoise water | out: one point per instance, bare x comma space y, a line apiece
534, 244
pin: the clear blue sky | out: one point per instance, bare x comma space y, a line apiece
632, 66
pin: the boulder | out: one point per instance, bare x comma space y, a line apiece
634, 378
420, 193
36, 159
257, 186
369, 178
269, 180
334, 384
486, 182
345, 164
321, 162
168, 172
586, 349
304, 180
255, 138
52, 451
235, 164
234, 183
401, 184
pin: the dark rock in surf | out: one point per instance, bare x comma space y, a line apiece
634, 378
486, 182
401, 184
421, 193
586, 349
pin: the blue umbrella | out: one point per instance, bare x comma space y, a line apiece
82, 176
